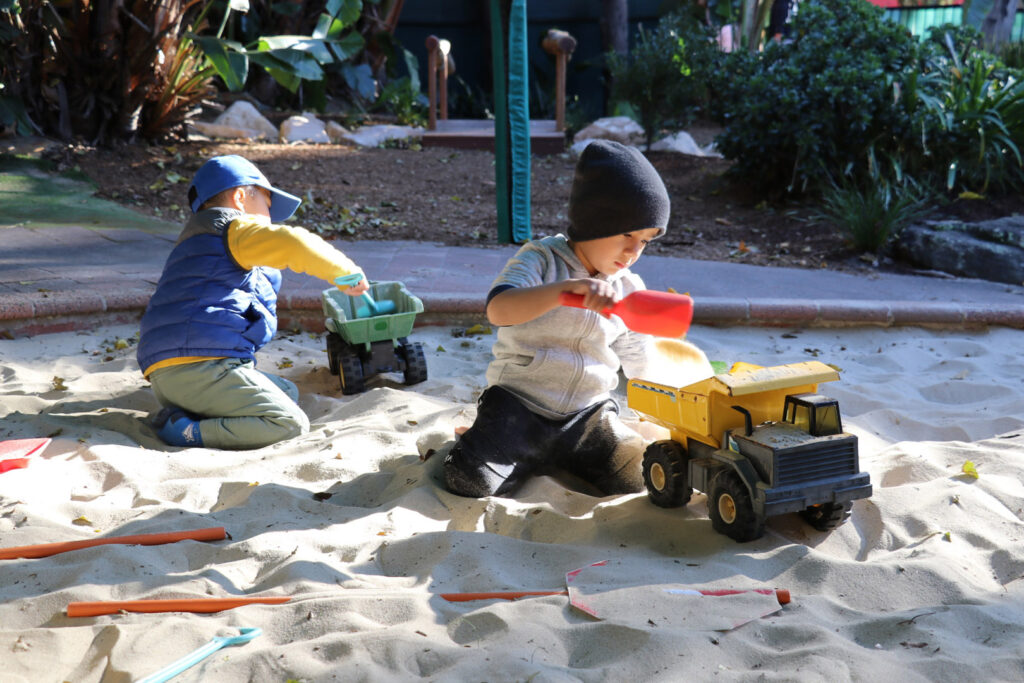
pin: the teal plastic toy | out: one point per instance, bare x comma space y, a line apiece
372, 308
174, 668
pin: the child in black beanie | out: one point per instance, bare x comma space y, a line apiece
548, 403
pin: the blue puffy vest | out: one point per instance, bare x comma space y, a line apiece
206, 304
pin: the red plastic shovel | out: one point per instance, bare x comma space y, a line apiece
662, 314
21, 449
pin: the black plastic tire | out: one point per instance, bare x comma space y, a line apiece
665, 474
415, 363
335, 347
827, 516
730, 509
351, 373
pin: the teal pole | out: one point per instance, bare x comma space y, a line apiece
519, 121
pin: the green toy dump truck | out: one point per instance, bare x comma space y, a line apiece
360, 347
758, 441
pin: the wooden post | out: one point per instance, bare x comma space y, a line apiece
438, 60
431, 43
445, 48
561, 45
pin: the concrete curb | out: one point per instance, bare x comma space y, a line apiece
30, 314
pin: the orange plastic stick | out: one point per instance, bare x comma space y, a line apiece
203, 605
497, 595
47, 549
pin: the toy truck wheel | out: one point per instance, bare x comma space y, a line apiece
335, 348
415, 362
351, 372
731, 510
665, 474
827, 516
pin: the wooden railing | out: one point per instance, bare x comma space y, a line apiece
441, 65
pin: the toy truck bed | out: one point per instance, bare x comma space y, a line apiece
340, 310
706, 406
360, 348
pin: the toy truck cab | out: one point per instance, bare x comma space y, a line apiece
758, 441
816, 414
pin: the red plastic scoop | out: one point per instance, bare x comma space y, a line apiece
21, 448
662, 314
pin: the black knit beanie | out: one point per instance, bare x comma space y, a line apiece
615, 190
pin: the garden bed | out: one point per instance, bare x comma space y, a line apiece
444, 195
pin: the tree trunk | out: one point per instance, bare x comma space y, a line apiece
615, 25
998, 23
614, 34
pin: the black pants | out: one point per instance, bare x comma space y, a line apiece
509, 443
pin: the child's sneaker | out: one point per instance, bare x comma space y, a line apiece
177, 428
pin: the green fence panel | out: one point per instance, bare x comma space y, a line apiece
919, 19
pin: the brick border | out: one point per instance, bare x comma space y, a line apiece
30, 314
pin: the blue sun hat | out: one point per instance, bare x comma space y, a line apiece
225, 172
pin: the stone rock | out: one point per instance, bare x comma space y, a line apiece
305, 127
214, 130
989, 250
374, 136
336, 132
619, 128
684, 143
245, 116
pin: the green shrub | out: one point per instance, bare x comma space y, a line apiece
872, 214
976, 105
818, 103
402, 97
1012, 54
663, 77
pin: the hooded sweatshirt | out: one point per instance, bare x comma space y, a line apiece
568, 358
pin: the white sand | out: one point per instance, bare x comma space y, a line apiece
923, 583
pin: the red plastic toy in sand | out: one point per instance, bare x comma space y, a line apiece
20, 449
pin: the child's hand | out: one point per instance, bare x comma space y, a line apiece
597, 294
356, 290
350, 285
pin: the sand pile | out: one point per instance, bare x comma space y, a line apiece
923, 583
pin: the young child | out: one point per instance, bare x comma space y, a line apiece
216, 305
548, 402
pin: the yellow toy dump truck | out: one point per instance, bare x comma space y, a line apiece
759, 441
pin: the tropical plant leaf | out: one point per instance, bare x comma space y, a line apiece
317, 48
346, 11
228, 58
412, 65
360, 79
348, 46
301, 65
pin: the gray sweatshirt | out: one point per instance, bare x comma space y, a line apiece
568, 358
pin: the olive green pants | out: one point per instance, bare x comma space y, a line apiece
238, 406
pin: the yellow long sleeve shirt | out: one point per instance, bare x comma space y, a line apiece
253, 241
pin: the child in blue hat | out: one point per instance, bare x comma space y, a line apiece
216, 305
